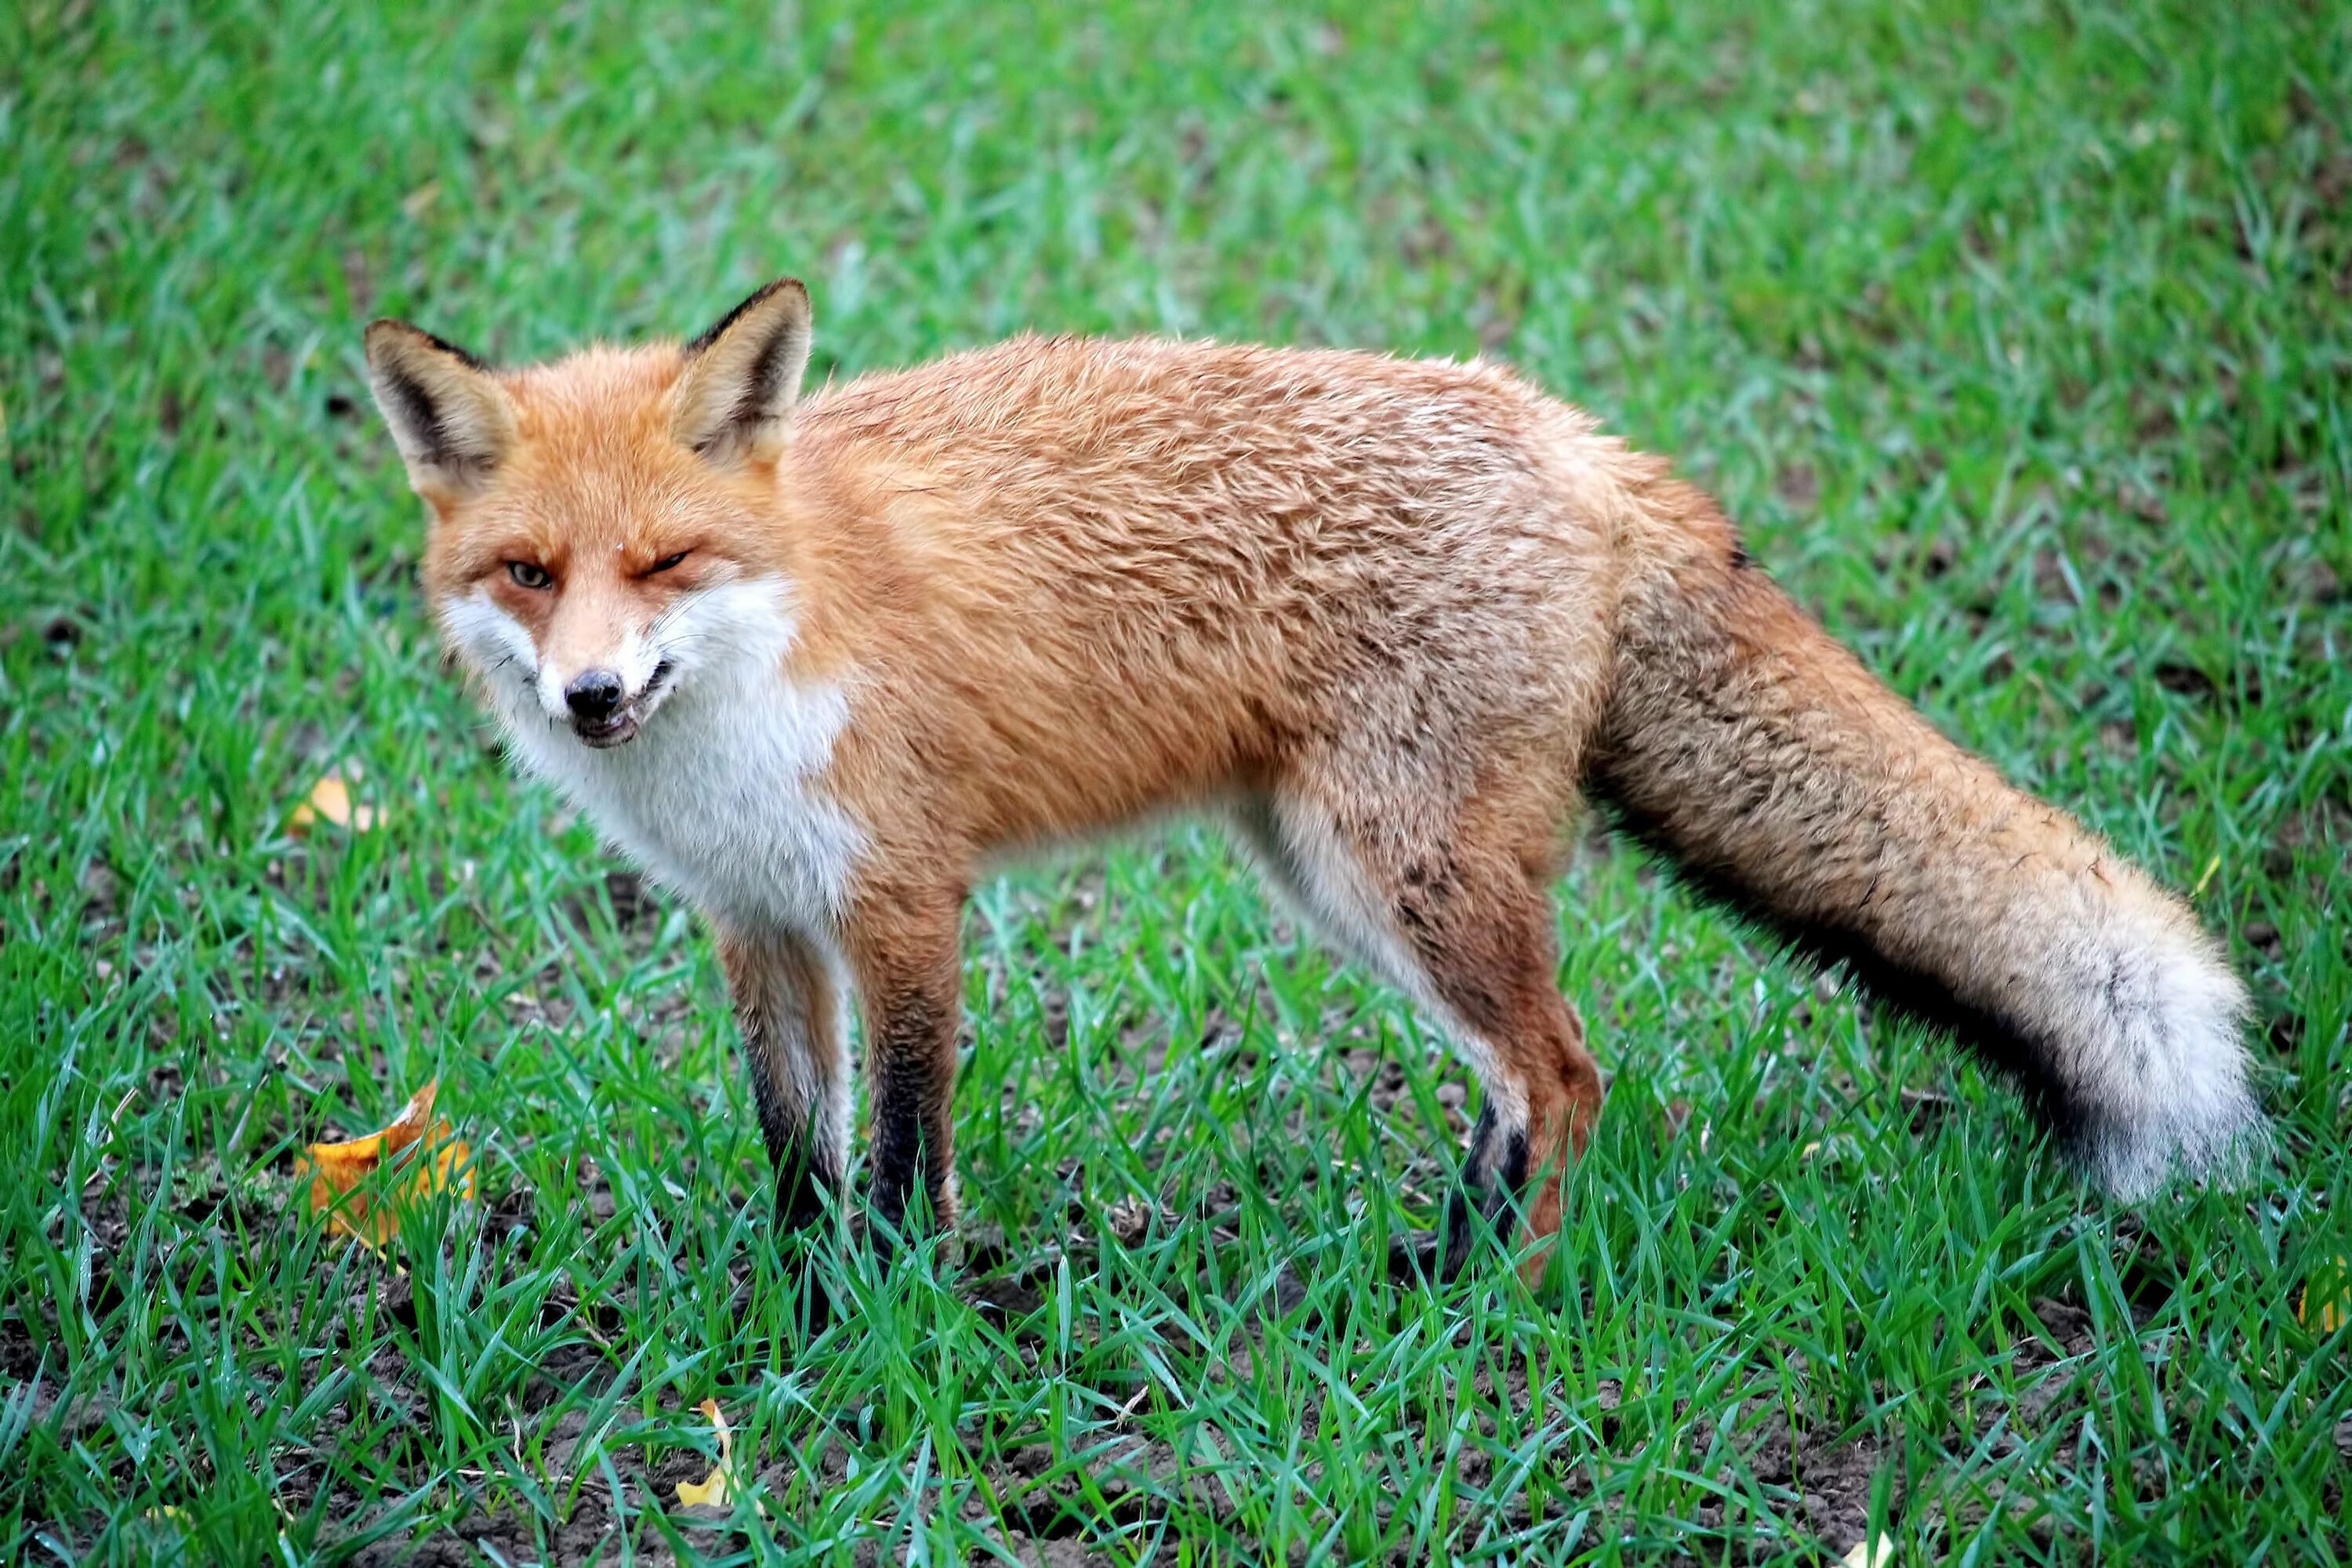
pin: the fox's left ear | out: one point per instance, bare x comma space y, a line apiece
743, 376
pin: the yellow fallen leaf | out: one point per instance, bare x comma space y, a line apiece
331, 801
413, 1148
1870, 1552
2326, 1303
718, 1489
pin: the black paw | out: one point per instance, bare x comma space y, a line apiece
803, 1194
1417, 1260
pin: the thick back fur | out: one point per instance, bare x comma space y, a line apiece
1779, 776
1123, 577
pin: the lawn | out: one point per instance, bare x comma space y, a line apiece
2019, 339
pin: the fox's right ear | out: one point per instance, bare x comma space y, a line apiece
448, 415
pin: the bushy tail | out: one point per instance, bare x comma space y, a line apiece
1777, 775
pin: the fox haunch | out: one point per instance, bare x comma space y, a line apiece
818, 664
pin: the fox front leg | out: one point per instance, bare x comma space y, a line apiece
789, 1013
904, 950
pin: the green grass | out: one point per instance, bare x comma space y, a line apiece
2018, 338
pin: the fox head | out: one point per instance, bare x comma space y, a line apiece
597, 525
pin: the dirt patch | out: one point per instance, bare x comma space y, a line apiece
591, 1532
20, 1355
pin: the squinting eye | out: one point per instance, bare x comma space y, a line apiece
666, 561
527, 575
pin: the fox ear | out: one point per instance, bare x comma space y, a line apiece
447, 413
743, 376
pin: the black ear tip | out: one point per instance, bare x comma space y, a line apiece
385, 331
790, 287
792, 291
393, 342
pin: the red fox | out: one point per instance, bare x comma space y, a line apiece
818, 664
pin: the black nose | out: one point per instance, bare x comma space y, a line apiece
593, 693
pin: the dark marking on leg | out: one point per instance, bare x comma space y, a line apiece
1492, 1176
784, 1010
804, 1172
912, 1071
1469, 1199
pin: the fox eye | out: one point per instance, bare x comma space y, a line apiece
666, 561
528, 575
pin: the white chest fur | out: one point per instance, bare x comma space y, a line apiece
718, 798
720, 795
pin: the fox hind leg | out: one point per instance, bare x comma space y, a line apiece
1452, 906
